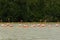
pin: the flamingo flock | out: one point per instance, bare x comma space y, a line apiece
26, 25
6, 24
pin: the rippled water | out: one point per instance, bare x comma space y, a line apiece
17, 32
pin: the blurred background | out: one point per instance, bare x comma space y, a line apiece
29, 10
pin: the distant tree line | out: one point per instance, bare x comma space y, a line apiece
29, 10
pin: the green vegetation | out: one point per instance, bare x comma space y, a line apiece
29, 10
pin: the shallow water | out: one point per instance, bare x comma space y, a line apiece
18, 32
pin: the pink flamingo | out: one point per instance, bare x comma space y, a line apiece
43, 25
19, 25
3, 25
10, 25
38, 24
33, 25
57, 25
25, 26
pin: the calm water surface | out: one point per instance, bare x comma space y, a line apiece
17, 32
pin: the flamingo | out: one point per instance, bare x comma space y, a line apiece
8, 24
3, 25
20, 25
25, 26
33, 25
43, 25
57, 25
38, 24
